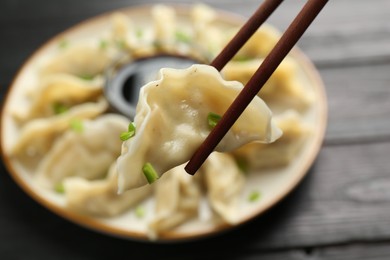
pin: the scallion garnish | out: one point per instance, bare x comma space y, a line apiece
86, 77
213, 119
129, 134
254, 196
139, 212
121, 44
150, 173
182, 37
59, 188
131, 128
157, 44
125, 136
77, 125
242, 58
103, 44
139, 33
242, 164
59, 108
63, 44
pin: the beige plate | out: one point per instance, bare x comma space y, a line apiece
274, 185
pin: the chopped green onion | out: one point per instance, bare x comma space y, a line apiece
103, 44
59, 108
86, 77
254, 196
63, 44
59, 188
125, 136
242, 164
121, 44
77, 125
129, 134
157, 44
182, 37
242, 58
213, 119
150, 173
139, 33
139, 212
131, 128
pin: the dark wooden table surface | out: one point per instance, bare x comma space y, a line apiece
340, 211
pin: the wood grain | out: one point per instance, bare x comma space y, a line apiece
358, 100
345, 198
379, 251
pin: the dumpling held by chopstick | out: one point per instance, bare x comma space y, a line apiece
176, 113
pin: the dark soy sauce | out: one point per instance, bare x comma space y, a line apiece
122, 90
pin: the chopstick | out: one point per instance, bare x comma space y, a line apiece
291, 36
246, 31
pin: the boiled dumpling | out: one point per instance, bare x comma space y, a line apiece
206, 33
57, 93
261, 43
171, 121
87, 153
121, 25
85, 60
201, 15
124, 33
284, 86
282, 151
99, 197
164, 24
37, 136
224, 184
177, 198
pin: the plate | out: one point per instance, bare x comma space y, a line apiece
274, 184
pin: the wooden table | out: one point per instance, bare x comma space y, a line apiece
340, 211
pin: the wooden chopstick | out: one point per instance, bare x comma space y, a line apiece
246, 31
291, 36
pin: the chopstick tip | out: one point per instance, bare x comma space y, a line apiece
190, 168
